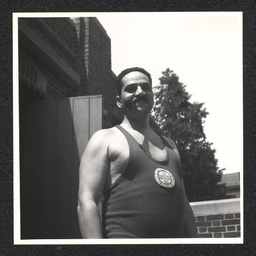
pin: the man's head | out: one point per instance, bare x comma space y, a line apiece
135, 91
125, 72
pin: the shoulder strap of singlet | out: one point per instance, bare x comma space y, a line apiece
126, 134
133, 141
169, 143
165, 141
128, 137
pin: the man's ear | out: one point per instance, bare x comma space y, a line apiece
119, 102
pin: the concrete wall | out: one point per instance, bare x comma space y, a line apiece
218, 219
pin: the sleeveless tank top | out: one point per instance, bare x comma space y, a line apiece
136, 205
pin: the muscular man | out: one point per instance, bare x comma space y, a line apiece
136, 170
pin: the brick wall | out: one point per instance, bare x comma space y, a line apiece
96, 50
47, 57
60, 57
99, 68
218, 219
59, 34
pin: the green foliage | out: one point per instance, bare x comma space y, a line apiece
177, 118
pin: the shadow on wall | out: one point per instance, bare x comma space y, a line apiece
54, 134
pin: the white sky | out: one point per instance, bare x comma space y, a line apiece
204, 50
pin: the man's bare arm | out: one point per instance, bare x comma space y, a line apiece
92, 176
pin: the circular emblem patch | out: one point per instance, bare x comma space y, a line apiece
164, 178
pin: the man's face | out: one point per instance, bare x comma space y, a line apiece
136, 92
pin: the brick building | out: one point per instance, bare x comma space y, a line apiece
218, 219
95, 56
60, 57
232, 182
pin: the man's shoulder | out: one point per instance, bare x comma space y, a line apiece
104, 135
100, 141
108, 131
108, 140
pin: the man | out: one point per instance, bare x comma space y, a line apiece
137, 171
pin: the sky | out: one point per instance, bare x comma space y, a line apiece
205, 50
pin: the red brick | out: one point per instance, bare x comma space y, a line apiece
217, 235
238, 228
204, 224
237, 215
215, 217
207, 235
229, 216
200, 218
230, 222
231, 228
202, 230
216, 223
217, 229
232, 234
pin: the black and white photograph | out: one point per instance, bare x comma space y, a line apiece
128, 128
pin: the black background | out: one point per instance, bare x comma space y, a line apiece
6, 126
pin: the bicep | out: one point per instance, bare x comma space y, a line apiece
93, 170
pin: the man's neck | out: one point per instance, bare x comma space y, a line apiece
138, 125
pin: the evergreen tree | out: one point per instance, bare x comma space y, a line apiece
177, 118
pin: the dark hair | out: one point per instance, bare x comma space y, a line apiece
125, 72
